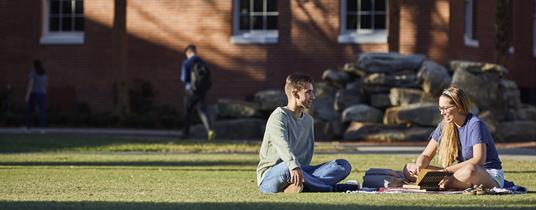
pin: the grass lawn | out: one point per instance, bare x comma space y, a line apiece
88, 172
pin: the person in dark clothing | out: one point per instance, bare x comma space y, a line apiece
36, 94
194, 97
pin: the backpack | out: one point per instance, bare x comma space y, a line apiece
200, 77
381, 177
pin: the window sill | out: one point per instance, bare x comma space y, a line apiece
63, 38
470, 42
249, 38
363, 38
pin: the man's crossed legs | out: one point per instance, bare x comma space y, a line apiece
319, 178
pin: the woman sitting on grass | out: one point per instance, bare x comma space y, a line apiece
464, 138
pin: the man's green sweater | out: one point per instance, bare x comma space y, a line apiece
286, 139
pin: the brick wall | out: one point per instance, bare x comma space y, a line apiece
159, 30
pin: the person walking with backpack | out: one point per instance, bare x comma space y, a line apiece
196, 77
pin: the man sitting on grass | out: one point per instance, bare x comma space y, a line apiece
288, 145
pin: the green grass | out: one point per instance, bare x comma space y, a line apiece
95, 179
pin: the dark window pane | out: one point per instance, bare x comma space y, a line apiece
379, 21
79, 24
271, 5
366, 22
351, 22
54, 24
66, 24
66, 7
54, 7
351, 5
244, 23
258, 5
244, 7
366, 5
475, 19
79, 7
257, 23
379, 5
271, 22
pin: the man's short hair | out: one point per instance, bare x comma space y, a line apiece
190, 47
296, 80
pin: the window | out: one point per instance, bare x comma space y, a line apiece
534, 27
470, 35
63, 22
363, 21
255, 21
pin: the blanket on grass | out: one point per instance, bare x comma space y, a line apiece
509, 188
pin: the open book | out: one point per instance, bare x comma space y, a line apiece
428, 179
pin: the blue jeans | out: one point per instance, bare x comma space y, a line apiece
40, 99
319, 178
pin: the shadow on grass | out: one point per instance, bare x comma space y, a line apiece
28, 143
217, 206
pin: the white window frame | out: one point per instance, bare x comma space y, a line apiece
251, 36
61, 38
360, 36
468, 24
534, 27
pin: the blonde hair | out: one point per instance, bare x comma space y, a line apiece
449, 141
296, 80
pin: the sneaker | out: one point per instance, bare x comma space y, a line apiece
211, 135
293, 188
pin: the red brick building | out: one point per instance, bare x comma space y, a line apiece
250, 45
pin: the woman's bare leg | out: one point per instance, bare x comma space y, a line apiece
468, 176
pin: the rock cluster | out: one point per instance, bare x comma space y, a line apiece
393, 97
389, 97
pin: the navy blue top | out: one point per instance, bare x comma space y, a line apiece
474, 131
186, 68
39, 82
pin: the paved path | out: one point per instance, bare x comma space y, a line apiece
522, 150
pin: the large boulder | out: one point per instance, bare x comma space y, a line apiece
352, 69
328, 130
482, 89
388, 62
423, 114
323, 104
228, 108
376, 89
235, 129
323, 109
490, 121
516, 131
337, 78
387, 133
360, 130
413, 133
380, 100
510, 93
524, 113
405, 96
323, 89
348, 97
399, 80
477, 67
434, 78
268, 100
362, 113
